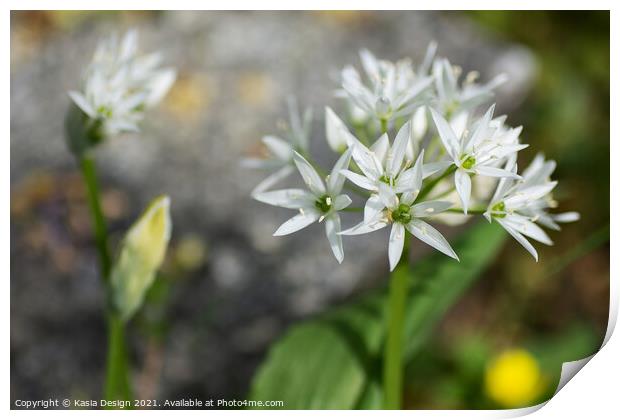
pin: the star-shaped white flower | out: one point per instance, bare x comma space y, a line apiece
120, 84
401, 211
391, 90
519, 205
476, 152
322, 202
452, 98
281, 151
384, 164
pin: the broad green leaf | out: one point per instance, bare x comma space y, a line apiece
142, 252
334, 361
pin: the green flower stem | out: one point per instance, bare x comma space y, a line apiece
469, 211
384, 125
395, 317
353, 209
89, 173
117, 381
426, 190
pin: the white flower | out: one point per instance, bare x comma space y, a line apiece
453, 99
474, 152
387, 207
338, 136
281, 151
322, 202
518, 205
384, 164
120, 84
391, 90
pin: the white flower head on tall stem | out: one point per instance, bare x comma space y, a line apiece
321, 202
401, 211
281, 151
119, 84
391, 89
519, 205
476, 152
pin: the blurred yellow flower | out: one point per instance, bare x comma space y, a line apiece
514, 379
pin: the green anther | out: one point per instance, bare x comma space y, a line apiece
324, 203
104, 111
402, 214
469, 162
498, 210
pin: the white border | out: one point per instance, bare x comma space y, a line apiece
593, 393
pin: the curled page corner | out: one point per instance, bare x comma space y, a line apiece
570, 369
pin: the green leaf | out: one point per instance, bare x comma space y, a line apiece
142, 252
334, 361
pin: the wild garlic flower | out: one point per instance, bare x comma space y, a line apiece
401, 211
281, 151
119, 85
322, 202
383, 163
519, 205
391, 90
453, 99
471, 157
476, 152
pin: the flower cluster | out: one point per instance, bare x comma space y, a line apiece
119, 85
444, 150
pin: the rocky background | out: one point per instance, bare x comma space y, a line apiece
228, 288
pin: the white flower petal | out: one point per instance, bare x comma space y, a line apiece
524, 226
376, 223
520, 238
278, 147
481, 129
398, 150
571, 216
373, 207
431, 236
367, 161
397, 241
432, 168
411, 179
309, 175
336, 179
338, 135
387, 196
359, 180
82, 103
495, 172
447, 136
292, 198
462, 183
297, 222
159, 85
380, 148
332, 227
341, 202
429, 208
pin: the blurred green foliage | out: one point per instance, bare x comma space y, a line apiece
334, 362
